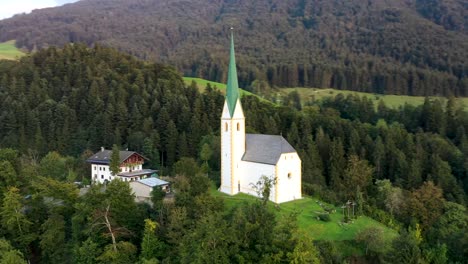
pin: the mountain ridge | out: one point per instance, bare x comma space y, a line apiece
414, 47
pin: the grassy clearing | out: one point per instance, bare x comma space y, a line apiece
201, 84
8, 51
307, 210
315, 94
393, 101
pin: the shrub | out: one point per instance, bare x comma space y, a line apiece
324, 217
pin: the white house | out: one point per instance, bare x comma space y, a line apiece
131, 166
143, 188
245, 158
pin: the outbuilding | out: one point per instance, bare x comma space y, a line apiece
143, 188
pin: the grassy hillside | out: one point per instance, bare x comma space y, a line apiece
308, 209
315, 94
8, 51
202, 83
396, 47
394, 101
342, 235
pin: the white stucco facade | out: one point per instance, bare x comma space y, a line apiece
101, 173
251, 174
246, 158
288, 178
232, 147
238, 175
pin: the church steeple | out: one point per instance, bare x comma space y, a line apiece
232, 90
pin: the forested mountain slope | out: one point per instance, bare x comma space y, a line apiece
405, 167
415, 47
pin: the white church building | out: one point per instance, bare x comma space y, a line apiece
245, 158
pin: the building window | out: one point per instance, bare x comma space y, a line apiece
238, 126
104, 168
95, 176
226, 127
95, 168
289, 175
102, 176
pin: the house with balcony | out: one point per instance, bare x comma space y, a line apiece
131, 166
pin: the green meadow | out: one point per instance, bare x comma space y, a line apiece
393, 101
202, 83
317, 95
307, 210
8, 51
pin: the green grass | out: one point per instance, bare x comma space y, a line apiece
393, 101
315, 94
202, 83
307, 209
8, 51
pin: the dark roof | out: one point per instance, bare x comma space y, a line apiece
104, 156
265, 148
136, 173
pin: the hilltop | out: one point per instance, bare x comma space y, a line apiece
392, 47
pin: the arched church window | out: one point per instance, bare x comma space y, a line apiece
289, 175
226, 127
238, 126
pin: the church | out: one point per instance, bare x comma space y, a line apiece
245, 158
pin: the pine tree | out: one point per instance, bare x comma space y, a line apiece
313, 167
170, 137
337, 165
379, 158
151, 246
114, 164
87, 252
293, 135
182, 146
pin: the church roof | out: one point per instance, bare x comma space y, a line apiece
265, 148
232, 90
104, 156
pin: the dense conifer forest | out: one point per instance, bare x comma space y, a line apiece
405, 167
412, 47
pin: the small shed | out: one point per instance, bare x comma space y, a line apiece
142, 188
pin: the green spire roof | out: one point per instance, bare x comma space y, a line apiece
232, 93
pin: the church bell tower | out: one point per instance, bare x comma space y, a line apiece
232, 131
